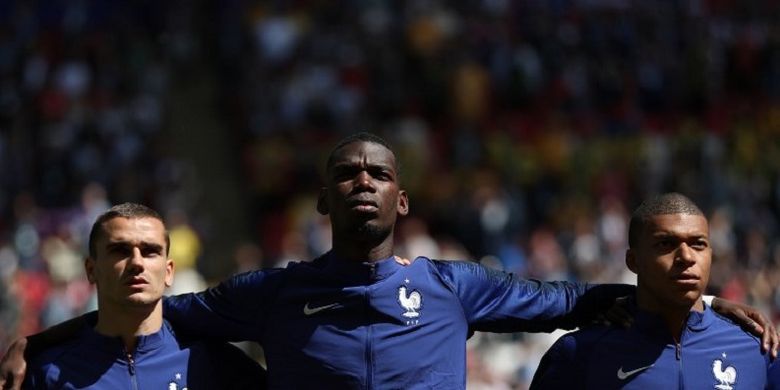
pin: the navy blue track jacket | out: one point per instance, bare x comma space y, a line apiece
95, 361
713, 353
345, 325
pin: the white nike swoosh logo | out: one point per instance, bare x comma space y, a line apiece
623, 375
311, 310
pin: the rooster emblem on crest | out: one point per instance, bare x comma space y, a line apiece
726, 377
411, 302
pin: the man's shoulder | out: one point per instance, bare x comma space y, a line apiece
71, 349
730, 332
225, 364
451, 267
726, 325
77, 357
568, 361
584, 340
55, 355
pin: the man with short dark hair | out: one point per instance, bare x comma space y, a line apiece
676, 341
131, 346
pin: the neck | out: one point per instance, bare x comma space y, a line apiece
354, 250
129, 323
675, 317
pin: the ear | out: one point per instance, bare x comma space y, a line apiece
169, 271
403, 203
322, 201
631, 261
89, 268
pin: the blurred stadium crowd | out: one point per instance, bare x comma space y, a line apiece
526, 131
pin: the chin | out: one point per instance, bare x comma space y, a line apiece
371, 231
689, 299
141, 300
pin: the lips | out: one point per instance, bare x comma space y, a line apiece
136, 281
687, 280
362, 205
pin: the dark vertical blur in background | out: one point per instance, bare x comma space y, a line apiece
527, 132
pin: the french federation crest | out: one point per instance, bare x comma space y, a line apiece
725, 376
411, 302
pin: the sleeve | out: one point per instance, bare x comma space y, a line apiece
41, 375
773, 377
496, 301
232, 311
559, 369
32, 380
235, 369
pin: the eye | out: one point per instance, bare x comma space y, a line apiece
382, 175
664, 243
151, 251
120, 250
700, 244
343, 174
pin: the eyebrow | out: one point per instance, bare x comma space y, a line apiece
346, 165
666, 234
142, 245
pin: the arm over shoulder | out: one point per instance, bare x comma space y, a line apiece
559, 368
497, 301
234, 310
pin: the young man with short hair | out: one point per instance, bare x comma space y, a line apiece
131, 346
676, 341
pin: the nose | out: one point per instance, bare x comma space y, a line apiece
364, 181
685, 254
136, 260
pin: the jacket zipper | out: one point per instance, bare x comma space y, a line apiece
369, 360
678, 355
131, 369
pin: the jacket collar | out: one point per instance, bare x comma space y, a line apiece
359, 272
652, 324
145, 343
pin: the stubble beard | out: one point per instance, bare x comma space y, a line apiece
368, 232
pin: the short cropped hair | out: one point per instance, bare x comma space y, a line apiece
124, 210
664, 204
361, 137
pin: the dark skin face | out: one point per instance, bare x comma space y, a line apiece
363, 198
672, 261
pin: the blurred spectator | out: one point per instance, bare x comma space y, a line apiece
525, 131
185, 250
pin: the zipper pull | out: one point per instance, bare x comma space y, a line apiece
678, 351
130, 364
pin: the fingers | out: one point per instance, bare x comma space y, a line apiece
770, 340
12, 380
13, 365
619, 314
402, 261
761, 326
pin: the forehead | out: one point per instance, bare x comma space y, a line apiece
144, 229
359, 152
686, 225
